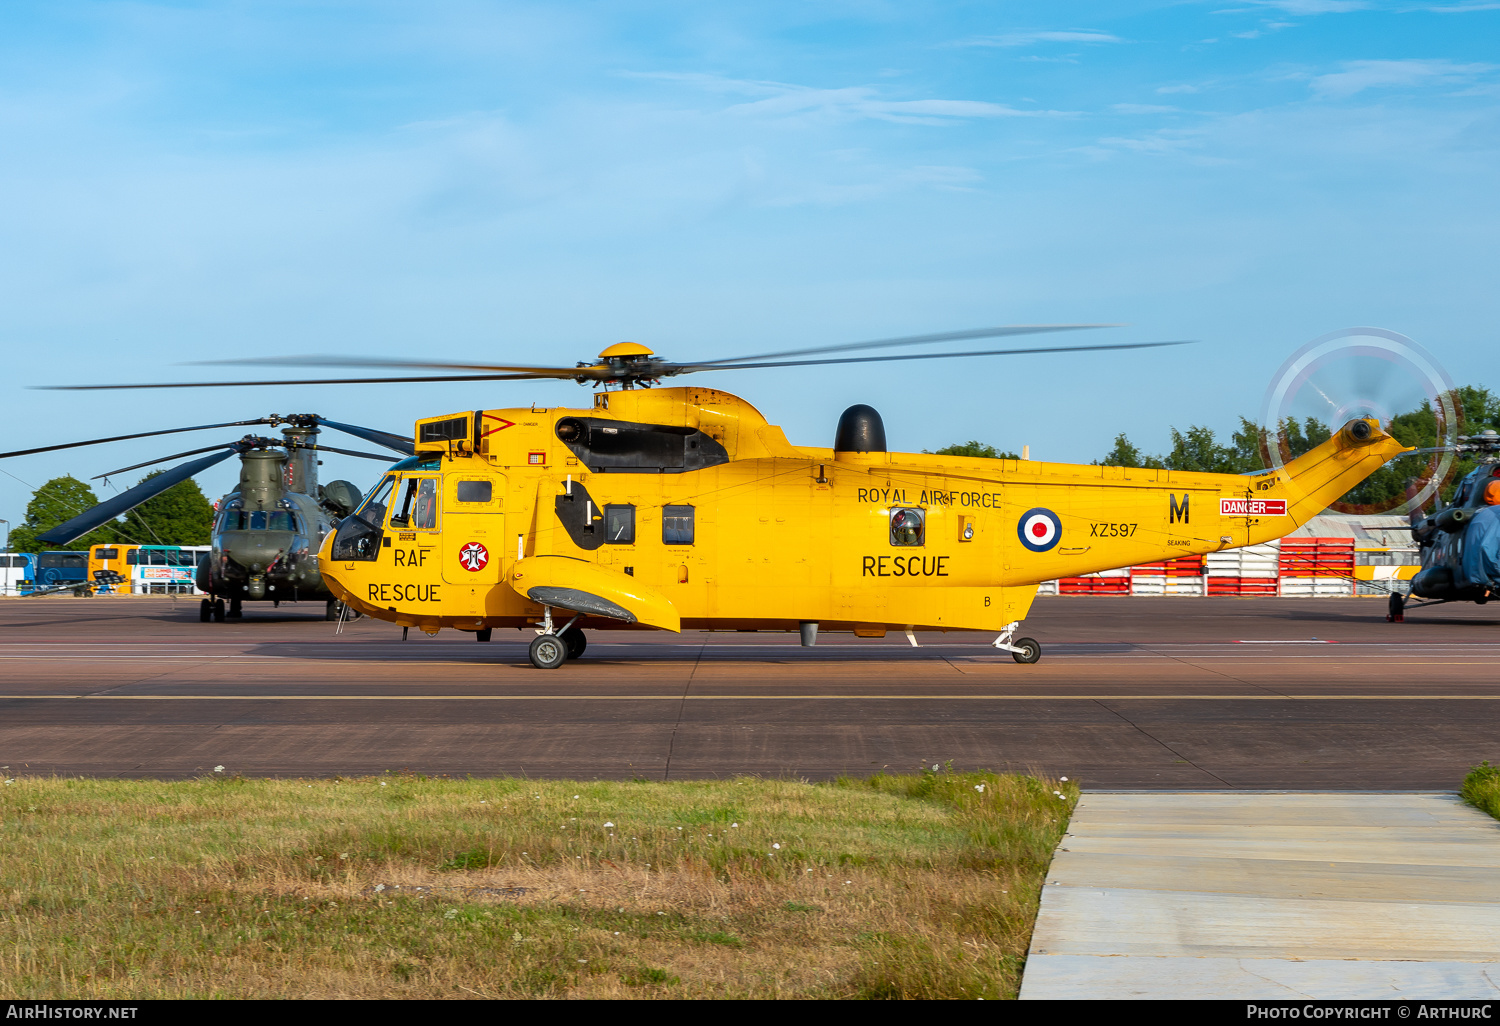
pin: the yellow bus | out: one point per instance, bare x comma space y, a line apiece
115, 558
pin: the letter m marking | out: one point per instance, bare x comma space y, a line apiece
1178, 514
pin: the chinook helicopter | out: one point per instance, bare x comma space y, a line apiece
675, 508
266, 532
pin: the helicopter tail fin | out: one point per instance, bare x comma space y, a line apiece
1316, 479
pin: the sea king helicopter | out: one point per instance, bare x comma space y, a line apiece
674, 508
266, 533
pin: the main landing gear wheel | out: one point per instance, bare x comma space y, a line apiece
485, 634
1031, 650
548, 652
234, 609
205, 611
575, 641
1396, 608
218, 610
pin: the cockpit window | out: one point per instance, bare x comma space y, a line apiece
427, 504
418, 505
373, 509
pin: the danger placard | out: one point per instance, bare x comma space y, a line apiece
1252, 507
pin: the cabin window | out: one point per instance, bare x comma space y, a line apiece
908, 527
619, 525
677, 525
106, 553
132, 557
474, 491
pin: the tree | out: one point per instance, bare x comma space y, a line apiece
1477, 410
1125, 454
975, 448
178, 516
57, 502
1198, 449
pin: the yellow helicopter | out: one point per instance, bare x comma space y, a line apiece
683, 508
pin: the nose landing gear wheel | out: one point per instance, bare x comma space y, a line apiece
576, 642
548, 652
1031, 650
205, 611
484, 635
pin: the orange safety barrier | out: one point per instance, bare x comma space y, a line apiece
1242, 586
1316, 557
1093, 586
1182, 566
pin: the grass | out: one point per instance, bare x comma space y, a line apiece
403, 887
1481, 788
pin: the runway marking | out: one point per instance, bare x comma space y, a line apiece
757, 698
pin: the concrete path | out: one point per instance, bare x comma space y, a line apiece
1270, 895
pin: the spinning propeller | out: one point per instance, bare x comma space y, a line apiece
629, 364
1361, 372
151, 487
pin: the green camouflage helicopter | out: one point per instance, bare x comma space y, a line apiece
266, 533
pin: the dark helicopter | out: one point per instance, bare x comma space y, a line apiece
267, 531
1459, 544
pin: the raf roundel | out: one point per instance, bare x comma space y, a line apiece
473, 556
1039, 529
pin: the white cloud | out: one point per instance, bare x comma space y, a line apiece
1167, 90
1306, 7
1142, 108
1358, 76
780, 99
1031, 38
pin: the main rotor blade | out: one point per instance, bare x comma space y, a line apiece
142, 434
106, 511
162, 459
396, 443
348, 452
365, 361
578, 372
946, 356
910, 340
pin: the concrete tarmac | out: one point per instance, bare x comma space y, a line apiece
1171, 693
1281, 896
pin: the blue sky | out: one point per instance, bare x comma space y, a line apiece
532, 182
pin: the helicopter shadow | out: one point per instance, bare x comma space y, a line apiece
1413, 615
601, 653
